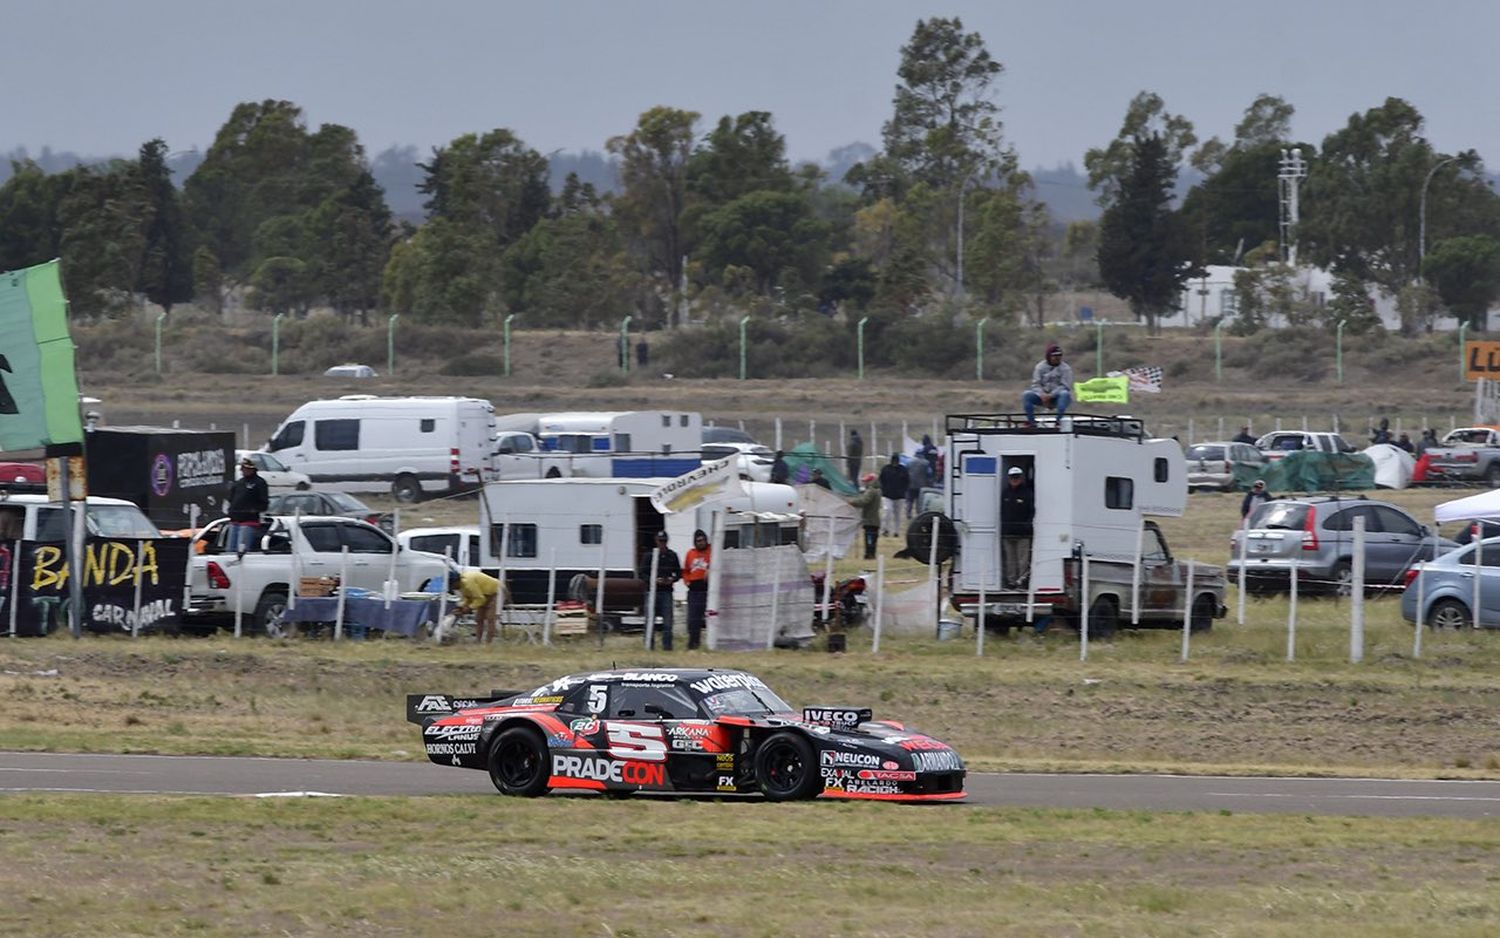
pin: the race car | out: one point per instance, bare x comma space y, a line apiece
679, 730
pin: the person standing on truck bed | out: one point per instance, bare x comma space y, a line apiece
1051, 385
249, 497
1017, 510
894, 481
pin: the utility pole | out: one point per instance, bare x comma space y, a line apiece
1293, 171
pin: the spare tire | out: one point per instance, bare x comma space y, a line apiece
919, 537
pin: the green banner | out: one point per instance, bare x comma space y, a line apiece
38, 384
1105, 390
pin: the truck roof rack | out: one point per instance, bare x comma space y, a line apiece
1125, 427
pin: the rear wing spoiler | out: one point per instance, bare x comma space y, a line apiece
423, 707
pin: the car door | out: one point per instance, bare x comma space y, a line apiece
1161, 577
321, 545
1336, 541
1398, 544
1489, 588
370, 553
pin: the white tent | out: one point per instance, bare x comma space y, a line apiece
1393, 465
1482, 507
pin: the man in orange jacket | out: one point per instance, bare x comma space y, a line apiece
695, 575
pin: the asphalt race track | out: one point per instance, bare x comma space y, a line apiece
214, 775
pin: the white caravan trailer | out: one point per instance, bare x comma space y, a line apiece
581, 524
637, 444
410, 446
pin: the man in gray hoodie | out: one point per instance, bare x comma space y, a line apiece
1051, 385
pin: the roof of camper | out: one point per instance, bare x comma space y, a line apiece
1117, 426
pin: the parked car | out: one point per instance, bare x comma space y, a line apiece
351, 371
726, 435
1211, 465
1277, 444
331, 504
458, 542
753, 460
1447, 589
31, 516
1315, 535
1466, 454
274, 471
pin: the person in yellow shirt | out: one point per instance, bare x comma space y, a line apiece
480, 593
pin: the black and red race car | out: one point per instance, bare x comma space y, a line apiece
689, 731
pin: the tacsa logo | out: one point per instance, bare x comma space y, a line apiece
433, 702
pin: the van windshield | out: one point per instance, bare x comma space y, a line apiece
1281, 516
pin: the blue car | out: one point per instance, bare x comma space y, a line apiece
1448, 588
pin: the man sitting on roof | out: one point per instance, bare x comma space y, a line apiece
1051, 385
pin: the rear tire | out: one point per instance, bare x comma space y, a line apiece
785, 768
1104, 618
1201, 617
518, 763
406, 489
1449, 614
1341, 578
270, 614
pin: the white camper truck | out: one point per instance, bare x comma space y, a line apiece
1096, 481
637, 444
410, 446
577, 525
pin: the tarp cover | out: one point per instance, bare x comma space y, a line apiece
748, 581
1482, 507
1393, 465
803, 458
818, 505
1305, 471
909, 610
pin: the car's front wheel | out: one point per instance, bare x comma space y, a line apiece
1201, 618
785, 768
1448, 614
518, 763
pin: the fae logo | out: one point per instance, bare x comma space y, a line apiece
433, 703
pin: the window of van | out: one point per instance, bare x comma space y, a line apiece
438, 543
427, 425
288, 436
336, 434
1161, 470
590, 533
1119, 492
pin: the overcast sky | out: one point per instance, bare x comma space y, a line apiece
102, 76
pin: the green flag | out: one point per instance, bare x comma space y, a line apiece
1106, 390
38, 386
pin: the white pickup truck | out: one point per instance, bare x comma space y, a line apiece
258, 584
519, 455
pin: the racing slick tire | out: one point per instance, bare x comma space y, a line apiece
786, 768
518, 763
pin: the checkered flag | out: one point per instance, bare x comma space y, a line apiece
1142, 378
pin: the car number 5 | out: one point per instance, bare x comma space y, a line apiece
597, 698
637, 741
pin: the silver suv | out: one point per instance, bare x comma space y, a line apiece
1316, 536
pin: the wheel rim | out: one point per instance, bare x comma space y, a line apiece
1448, 616
518, 764
784, 768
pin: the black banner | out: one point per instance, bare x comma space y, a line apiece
36, 582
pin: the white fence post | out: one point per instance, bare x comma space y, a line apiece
651, 600
1291, 618
1357, 596
828, 577
879, 601
551, 597
443, 596
776, 606
1187, 611
1135, 577
979, 618
338, 620
1244, 552
1478, 570
140, 558
1083, 612
1416, 638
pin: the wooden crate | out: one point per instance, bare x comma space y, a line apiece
316, 586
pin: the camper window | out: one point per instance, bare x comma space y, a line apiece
731, 538
1119, 493
336, 434
522, 541
682, 420
1161, 470
666, 420
591, 534
622, 443
427, 425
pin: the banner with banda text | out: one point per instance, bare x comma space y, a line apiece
34, 585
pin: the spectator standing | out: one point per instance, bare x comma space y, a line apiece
695, 575
868, 503
668, 572
1404, 442
1017, 511
1254, 498
249, 497
779, 470
929, 452
480, 594
1382, 433
894, 481
854, 454
1051, 385
642, 353
1426, 441
1244, 436
918, 476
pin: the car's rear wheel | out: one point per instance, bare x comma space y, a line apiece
518, 763
406, 489
270, 614
1341, 578
1201, 618
1449, 614
785, 769
1104, 618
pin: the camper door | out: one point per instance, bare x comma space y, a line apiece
978, 507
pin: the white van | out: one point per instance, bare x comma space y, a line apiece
33, 517
410, 446
636, 444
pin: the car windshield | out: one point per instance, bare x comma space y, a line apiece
745, 700
120, 521
1205, 452
346, 502
269, 463
1286, 516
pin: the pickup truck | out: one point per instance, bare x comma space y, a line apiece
519, 455
1110, 600
1278, 443
257, 584
1467, 454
